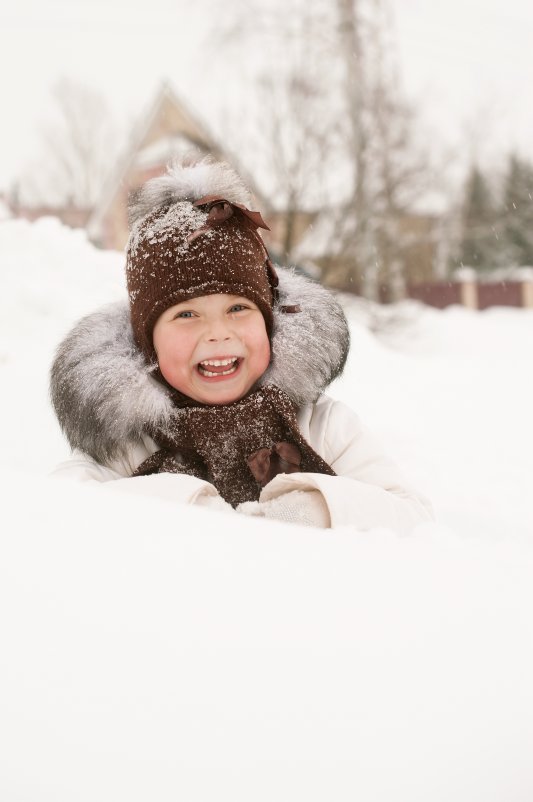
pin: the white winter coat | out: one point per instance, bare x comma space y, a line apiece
368, 491
108, 402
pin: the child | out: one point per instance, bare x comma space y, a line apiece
208, 386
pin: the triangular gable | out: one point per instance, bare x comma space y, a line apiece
169, 123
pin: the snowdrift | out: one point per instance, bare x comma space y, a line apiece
151, 651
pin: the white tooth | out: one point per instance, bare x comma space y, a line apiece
210, 373
219, 362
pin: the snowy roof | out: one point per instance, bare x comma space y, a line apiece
145, 152
162, 151
202, 139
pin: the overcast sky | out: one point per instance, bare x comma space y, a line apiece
467, 63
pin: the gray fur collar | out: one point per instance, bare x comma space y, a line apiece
106, 398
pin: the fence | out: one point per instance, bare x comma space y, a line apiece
467, 290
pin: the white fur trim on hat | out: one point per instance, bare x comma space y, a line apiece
188, 182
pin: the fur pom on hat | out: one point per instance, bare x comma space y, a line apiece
188, 181
192, 234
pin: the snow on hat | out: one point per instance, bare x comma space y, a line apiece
192, 234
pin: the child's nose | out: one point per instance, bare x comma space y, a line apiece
218, 330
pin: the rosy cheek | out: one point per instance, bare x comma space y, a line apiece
172, 363
263, 356
266, 353
167, 370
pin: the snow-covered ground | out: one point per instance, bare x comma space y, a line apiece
155, 652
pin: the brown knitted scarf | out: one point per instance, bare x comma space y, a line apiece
238, 447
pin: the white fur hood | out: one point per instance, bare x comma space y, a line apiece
106, 398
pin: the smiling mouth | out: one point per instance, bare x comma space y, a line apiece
211, 368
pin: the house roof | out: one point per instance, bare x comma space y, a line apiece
155, 141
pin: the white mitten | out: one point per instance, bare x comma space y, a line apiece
216, 503
304, 507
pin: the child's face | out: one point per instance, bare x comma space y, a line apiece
191, 335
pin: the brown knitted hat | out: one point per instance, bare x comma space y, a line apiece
192, 236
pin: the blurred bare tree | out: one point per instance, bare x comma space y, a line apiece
338, 134
287, 130
297, 140
388, 171
78, 149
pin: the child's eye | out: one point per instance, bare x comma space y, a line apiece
183, 315
237, 308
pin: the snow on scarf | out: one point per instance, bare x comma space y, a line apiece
238, 447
